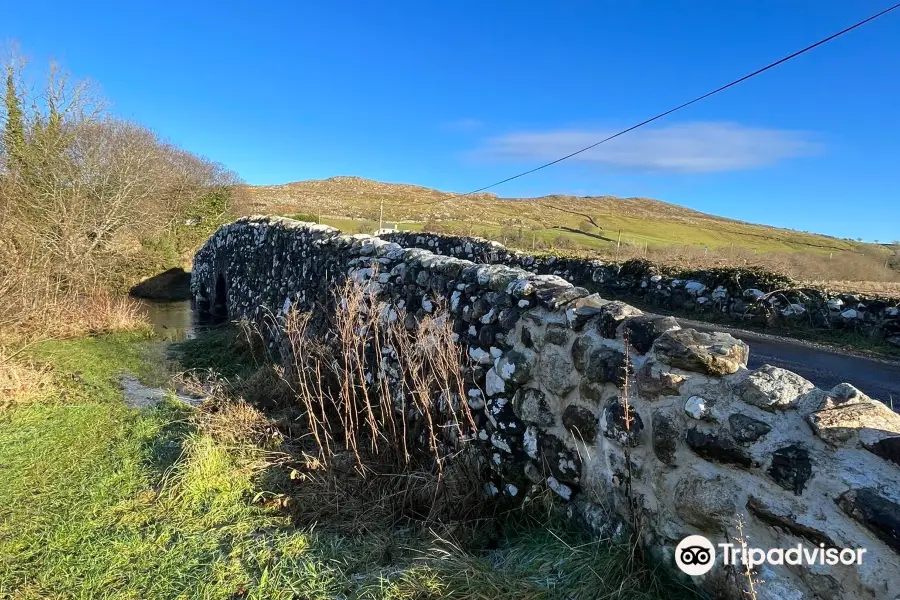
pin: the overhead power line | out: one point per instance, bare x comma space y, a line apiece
677, 108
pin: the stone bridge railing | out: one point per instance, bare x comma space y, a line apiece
739, 295
588, 397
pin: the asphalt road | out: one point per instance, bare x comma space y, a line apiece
823, 366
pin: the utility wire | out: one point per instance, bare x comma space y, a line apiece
677, 108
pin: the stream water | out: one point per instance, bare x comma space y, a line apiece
173, 321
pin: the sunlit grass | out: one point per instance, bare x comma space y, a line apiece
102, 501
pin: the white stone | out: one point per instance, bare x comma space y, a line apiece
696, 407
850, 313
499, 443
530, 441
561, 489
793, 310
493, 383
693, 287
479, 355
511, 489
754, 294
454, 300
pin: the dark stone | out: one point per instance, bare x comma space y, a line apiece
584, 309
643, 330
527, 340
581, 422
665, 436
565, 297
717, 448
579, 350
605, 365
611, 315
791, 468
711, 353
787, 522
508, 317
547, 292
438, 284
557, 460
880, 515
556, 334
514, 367
487, 334
480, 308
747, 429
621, 423
887, 448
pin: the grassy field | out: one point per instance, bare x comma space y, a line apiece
603, 226
104, 501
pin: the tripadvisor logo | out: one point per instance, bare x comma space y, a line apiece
696, 555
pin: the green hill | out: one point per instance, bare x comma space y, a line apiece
602, 225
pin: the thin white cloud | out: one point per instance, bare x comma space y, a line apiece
700, 147
462, 125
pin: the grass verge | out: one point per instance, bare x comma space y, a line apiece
102, 501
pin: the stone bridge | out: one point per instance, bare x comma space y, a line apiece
575, 394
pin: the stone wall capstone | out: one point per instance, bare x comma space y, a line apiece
742, 295
626, 417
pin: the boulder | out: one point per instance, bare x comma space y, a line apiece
555, 370
580, 422
654, 379
717, 447
666, 433
558, 461
708, 503
514, 366
584, 309
643, 330
621, 422
772, 388
879, 514
844, 422
710, 353
791, 468
605, 365
531, 406
612, 315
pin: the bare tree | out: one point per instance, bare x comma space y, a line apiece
73, 179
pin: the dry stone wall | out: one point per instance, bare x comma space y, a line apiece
627, 418
740, 295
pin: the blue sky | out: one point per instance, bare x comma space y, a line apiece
458, 94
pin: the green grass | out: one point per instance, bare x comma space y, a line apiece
102, 501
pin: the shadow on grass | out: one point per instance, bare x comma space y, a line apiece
225, 349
